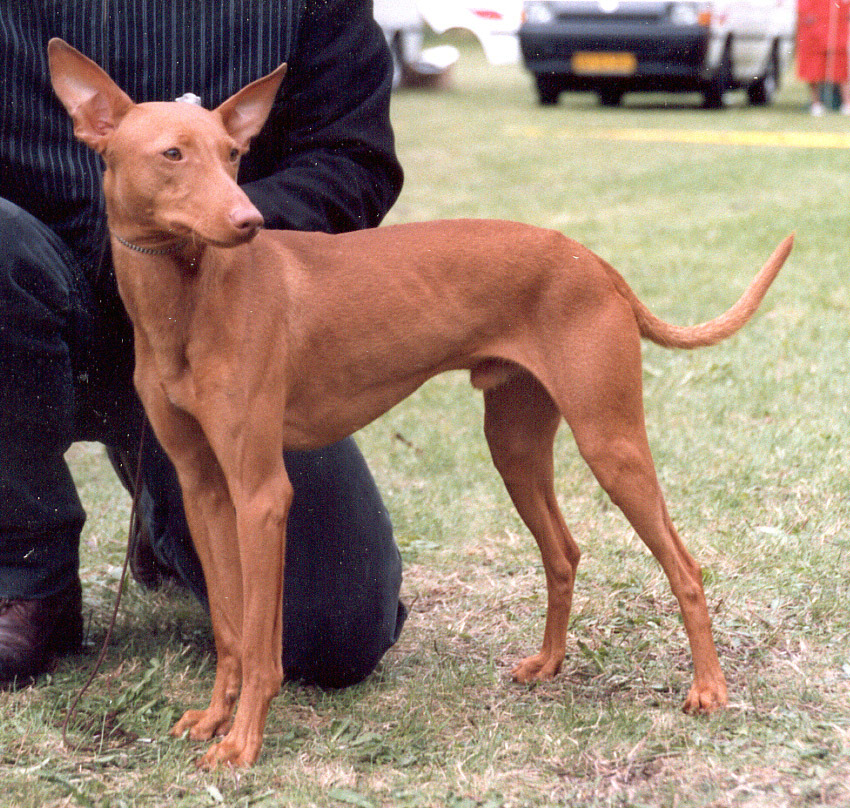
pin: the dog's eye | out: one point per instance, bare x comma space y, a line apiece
234, 155
173, 154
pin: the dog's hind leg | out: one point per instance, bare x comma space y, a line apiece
520, 425
624, 469
604, 408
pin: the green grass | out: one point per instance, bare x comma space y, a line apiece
750, 440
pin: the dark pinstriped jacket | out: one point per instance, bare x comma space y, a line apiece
325, 160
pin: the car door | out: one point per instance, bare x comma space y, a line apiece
750, 27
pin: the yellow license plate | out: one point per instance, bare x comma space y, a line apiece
607, 64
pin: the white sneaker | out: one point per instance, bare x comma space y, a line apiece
817, 109
845, 109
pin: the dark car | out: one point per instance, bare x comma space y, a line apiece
610, 47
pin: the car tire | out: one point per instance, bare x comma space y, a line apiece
548, 89
763, 90
713, 96
610, 96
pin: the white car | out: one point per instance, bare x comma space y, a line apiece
494, 23
612, 47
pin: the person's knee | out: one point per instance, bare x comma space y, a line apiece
33, 268
17, 228
343, 573
339, 650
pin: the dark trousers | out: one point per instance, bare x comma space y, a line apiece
66, 375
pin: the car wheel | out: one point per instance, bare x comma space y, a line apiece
610, 97
548, 89
715, 91
763, 90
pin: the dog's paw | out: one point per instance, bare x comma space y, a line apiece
230, 752
538, 668
705, 698
202, 725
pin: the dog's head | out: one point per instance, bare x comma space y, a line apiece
170, 167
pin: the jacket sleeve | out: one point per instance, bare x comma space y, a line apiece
325, 160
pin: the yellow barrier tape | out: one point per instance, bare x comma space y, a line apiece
794, 140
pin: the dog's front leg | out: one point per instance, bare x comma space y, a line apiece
251, 457
212, 524
261, 525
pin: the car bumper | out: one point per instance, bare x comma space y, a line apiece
667, 56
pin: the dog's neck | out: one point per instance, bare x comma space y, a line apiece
168, 249
159, 288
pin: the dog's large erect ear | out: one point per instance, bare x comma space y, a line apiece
95, 103
245, 113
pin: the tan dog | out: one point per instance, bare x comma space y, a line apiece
249, 342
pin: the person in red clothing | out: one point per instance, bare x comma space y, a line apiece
822, 43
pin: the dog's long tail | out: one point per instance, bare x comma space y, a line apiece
718, 329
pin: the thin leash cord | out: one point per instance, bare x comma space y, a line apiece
131, 542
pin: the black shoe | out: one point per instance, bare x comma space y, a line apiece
33, 631
145, 566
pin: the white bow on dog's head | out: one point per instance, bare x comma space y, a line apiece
189, 98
